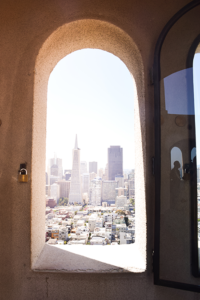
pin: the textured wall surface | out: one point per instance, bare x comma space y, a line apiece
24, 27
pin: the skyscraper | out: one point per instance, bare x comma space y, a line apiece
55, 166
93, 167
64, 188
85, 180
115, 162
75, 194
83, 167
95, 191
108, 191
55, 170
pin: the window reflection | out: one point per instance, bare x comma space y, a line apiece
196, 73
178, 156
179, 99
179, 136
176, 163
193, 154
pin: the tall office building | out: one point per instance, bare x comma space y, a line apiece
131, 184
95, 191
120, 180
64, 188
55, 169
55, 166
75, 194
83, 167
115, 162
85, 181
108, 191
93, 167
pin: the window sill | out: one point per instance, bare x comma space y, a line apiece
90, 259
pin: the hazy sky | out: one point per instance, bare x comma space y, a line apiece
91, 94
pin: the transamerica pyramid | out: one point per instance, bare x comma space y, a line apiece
75, 194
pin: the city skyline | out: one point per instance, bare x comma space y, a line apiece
86, 163
101, 87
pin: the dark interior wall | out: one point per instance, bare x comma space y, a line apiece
25, 25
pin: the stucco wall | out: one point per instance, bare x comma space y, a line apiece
24, 27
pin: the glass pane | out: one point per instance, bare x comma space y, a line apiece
178, 190
196, 153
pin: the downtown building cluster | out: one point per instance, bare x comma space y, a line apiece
99, 210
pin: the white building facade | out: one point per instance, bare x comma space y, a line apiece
55, 191
120, 201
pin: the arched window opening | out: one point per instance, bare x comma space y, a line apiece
90, 190
68, 39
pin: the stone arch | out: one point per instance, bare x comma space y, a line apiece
66, 39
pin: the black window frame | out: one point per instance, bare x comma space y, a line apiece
157, 163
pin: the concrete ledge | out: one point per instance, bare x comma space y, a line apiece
92, 259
